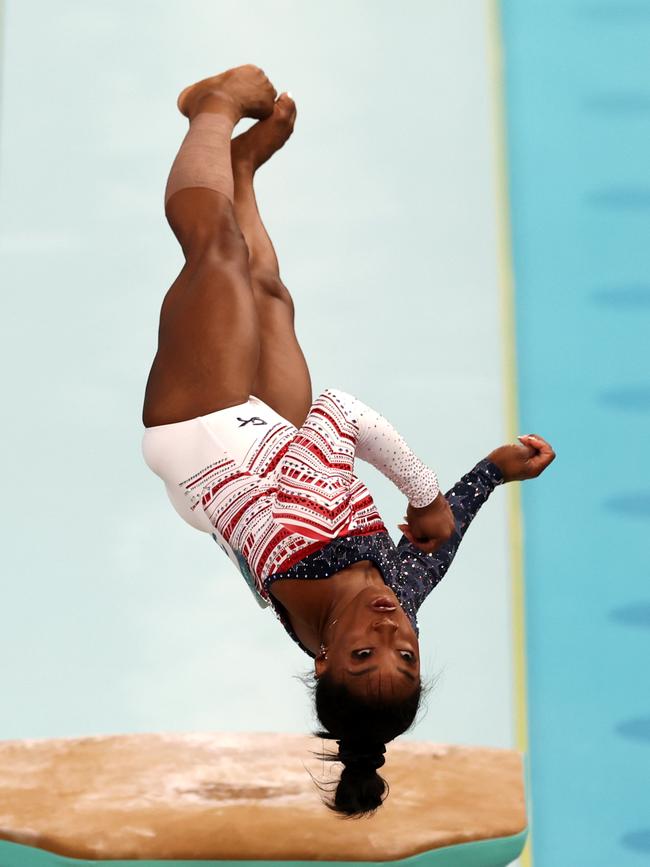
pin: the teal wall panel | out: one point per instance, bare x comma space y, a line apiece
578, 117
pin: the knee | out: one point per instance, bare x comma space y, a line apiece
268, 285
215, 235
224, 243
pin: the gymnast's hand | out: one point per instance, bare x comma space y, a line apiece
430, 526
524, 460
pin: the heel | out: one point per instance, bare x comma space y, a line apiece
180, 102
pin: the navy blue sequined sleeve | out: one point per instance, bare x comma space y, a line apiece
423, 571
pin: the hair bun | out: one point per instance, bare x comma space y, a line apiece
362, 756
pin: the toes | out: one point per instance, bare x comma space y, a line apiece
285, 108
286, 102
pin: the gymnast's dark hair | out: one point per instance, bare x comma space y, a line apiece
361, 725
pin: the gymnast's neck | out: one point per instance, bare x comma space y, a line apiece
312, 604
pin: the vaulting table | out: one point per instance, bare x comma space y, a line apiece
211, 799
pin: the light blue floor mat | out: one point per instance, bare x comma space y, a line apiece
497, 852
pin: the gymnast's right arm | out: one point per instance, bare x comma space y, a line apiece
509, 463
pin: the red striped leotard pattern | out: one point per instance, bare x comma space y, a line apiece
295, 492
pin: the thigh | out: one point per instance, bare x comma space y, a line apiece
208, 345
282, 378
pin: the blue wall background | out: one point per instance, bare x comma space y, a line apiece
578, 108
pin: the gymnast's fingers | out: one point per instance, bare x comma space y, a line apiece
430, 546
545, 454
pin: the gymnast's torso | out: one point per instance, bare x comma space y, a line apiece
286, 507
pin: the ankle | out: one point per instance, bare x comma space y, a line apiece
215, 102
243, 168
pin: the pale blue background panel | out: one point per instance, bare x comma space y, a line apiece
578, 108
116, 615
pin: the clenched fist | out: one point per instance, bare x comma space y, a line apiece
430, 526
526, 460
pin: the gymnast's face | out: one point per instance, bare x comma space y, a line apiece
373, 648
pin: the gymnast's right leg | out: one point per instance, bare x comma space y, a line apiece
208, 338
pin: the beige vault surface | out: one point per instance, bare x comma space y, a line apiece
246, 796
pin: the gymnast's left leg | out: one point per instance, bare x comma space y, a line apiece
282, 379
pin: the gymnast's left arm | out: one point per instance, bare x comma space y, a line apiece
508, 463
376, 441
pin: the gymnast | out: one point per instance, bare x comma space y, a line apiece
248, 457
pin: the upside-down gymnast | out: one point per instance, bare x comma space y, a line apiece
248, 457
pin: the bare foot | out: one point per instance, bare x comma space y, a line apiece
258, 144
242, 92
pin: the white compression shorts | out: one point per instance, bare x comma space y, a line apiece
176, 451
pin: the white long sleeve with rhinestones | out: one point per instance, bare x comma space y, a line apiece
381, 445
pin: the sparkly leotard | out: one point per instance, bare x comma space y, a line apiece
272, 494
407, 570
284, 502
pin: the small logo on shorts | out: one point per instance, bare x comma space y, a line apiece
255, 420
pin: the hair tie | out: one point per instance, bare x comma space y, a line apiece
368, 755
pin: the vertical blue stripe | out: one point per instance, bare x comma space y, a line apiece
578, 118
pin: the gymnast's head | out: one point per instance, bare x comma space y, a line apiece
367, 692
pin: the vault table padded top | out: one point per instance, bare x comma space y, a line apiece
246, 796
